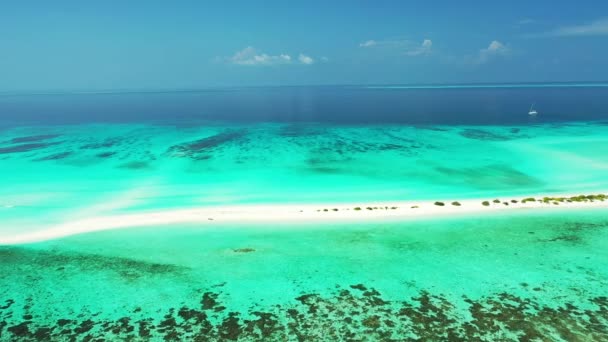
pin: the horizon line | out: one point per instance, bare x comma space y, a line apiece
394, 86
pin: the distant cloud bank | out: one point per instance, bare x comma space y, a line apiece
595, 28
408, 47
249, 56
495, 49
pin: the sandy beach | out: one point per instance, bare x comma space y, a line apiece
305, 213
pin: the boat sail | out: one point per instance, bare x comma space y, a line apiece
532, 111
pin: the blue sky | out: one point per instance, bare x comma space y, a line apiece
85, 45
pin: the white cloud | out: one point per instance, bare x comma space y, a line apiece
249, 56
598, 27
324, 59
595, 28
407, 47
305, 59
495, 48
384, 43
423, 49
368, 43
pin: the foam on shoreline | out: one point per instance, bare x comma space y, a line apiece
309, 213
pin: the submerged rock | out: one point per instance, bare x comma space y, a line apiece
244, 250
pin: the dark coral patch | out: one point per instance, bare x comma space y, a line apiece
8, 304
56, 156
105, 154
19, 330
432, 128
479, 134
135, 165
103, 144
25, 148
300, 130
191, 149
359, 287
208, 301
362, 315
127, 268
33, 138
84, 326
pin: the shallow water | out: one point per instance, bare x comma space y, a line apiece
524, 275
66, 172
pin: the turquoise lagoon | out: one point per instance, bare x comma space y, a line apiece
529, 275
523, 276
79, 170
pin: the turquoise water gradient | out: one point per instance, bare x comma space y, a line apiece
492, 277
524, 275
97, 169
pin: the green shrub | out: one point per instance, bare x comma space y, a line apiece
486, 203
456, 204
441, 204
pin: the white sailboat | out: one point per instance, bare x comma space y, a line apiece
532, 111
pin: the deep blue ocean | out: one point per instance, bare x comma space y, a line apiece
414, 105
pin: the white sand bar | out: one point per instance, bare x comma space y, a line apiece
303, 213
